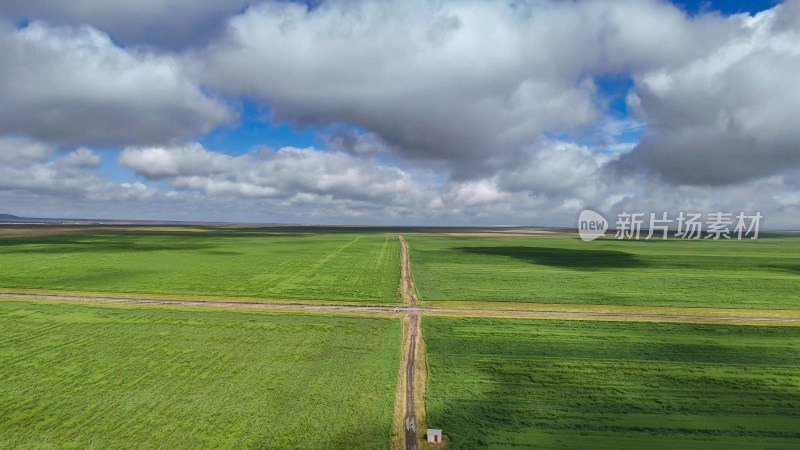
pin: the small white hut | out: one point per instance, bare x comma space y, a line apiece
434, 436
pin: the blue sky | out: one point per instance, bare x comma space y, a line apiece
726, 6
372, 112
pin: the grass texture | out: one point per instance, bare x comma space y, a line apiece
502, 383
239, 263
763, 273
78, 376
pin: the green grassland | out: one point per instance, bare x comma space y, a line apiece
131, 377
762, 273
265, 263
503, 383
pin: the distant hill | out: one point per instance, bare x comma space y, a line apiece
10, 218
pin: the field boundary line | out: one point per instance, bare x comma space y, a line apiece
590, 314
318, 308
190, 297
611, 308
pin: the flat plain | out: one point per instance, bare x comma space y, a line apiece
268, 263
88, 376
504, 383
762, 273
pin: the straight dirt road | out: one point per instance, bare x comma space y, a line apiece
402, 309
410, 420
410, 300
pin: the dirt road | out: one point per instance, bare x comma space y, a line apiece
402, 309
410, 420
410, 300
409, 292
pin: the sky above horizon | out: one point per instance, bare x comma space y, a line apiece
399, 112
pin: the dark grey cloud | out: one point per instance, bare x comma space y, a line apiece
729, 116
462, 86
73, 86
357, 143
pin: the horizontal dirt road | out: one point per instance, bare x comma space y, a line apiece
402, 309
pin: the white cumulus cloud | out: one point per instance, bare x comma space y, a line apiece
73, 86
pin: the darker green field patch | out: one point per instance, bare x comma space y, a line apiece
562, 257
567, 384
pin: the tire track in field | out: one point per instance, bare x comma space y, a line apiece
330, 256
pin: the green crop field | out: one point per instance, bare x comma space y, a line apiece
577, 384
762, 273
265, 263
131, 377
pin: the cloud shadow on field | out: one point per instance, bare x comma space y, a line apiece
791, 268
563, 257
64, 244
